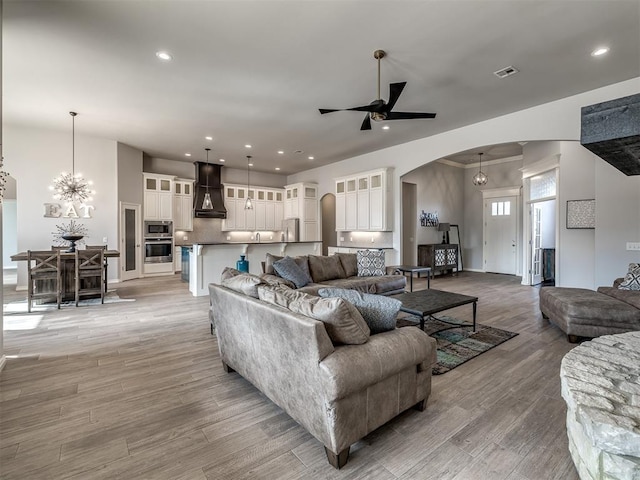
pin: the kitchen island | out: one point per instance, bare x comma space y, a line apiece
207, 260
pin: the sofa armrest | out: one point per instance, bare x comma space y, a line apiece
351, 368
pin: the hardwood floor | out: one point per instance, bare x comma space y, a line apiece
136, 390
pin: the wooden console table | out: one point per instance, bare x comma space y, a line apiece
440, 257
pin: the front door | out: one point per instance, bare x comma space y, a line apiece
130, 237
500, 235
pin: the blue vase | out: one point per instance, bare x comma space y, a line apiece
242, 264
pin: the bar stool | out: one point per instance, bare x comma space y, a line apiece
89, 273
43, 266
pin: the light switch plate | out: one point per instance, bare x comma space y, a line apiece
633, 246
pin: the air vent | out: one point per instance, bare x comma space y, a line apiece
506, 72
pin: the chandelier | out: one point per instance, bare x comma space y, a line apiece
480, 178
72, 187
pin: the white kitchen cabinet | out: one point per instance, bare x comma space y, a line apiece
301, 201
183, 205
158, 197
267, 212
363, 202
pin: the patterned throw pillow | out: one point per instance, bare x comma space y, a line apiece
632, 278
288, 269
370, 263
378, 311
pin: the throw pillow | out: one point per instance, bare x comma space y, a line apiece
370, 263
301, 260
378, 311
229, 272
288, 269
244, 283
342, 321
324, 268
632, 278
349, 263
276, 280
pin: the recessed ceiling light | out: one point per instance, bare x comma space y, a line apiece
208, 138
386, 127
280, 152
187, 154
311, 158
164, 56
222, 160
277, 168
247, 146
599, 51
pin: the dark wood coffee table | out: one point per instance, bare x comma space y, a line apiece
424, 303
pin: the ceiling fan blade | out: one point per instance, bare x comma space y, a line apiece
395, 89
372, 107
408, 115
366, 124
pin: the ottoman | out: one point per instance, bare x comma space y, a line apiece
585, 313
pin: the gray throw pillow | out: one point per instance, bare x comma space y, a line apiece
288, 269
378, 311
244, 283
370, 263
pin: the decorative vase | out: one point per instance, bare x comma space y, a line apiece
242, 264
72, 239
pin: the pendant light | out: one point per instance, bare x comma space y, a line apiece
71, 186
480, 178
207, 204
248, 205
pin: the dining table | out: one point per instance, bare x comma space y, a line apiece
68, 273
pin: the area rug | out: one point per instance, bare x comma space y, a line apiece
457, 345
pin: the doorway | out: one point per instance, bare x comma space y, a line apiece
130, 238
500, 234
543, 241
328, 209
409, 223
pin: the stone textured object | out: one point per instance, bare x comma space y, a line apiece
611, 130
601, 386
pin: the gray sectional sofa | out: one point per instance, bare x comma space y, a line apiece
340, 271
330, 375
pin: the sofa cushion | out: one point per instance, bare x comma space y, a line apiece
301, 260
275, 280
631, 297
325, 268
632, 278
370, 263
349, 263
343, 322
229, 272
379, 312
381, 285
244, 283
288, 269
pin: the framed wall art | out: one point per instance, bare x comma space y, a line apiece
581, 214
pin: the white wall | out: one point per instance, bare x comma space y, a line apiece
34, 157
129, 175
557, 120
9, 232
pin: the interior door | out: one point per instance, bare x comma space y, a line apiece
500, 235
536, 244
130, 241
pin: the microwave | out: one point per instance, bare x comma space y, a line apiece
158, 229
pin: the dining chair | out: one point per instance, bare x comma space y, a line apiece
89, 267
43, 269
105, 248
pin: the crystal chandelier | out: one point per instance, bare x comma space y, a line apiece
71, 187
480, 178
249, 203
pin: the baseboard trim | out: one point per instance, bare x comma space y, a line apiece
3, 362
473, 270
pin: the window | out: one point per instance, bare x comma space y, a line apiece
543, 185
500, 208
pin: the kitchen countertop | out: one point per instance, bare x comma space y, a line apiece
358, 246
270, 242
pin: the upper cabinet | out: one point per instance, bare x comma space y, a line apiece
158, 196
363, 202
183, 204
267, 212
301, 201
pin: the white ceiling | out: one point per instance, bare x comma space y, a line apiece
257, 71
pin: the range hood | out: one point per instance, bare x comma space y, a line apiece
611, 130
208, 180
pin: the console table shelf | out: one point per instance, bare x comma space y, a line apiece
441, 257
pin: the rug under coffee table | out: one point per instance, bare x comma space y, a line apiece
424, 303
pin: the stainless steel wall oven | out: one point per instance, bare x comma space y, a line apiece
158, 241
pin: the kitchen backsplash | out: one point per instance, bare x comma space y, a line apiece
209, 230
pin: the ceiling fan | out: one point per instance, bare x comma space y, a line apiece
380, 110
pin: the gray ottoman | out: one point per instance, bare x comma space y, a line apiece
584, 313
